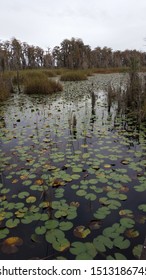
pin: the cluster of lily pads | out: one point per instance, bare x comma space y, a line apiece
71, 176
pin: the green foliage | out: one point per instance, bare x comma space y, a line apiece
73, 76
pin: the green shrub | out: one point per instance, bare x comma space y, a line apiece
41, 85
73, 76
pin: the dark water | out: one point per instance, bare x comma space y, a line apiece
67, 148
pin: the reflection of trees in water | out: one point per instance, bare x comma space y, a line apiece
93, 112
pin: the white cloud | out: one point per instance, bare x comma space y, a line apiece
116, 24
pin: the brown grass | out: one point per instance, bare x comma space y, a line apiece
5, 88
41, 85
73, 76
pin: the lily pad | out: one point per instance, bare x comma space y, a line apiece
81, 232
11, 223
23, 194
131, 233
31, 199
53, 235
51, 224
117, 256
4, 232
142, 207
83, 251
81, 192
126, 213
65, 225
102, 242
127, 222
11, 244
90, 196
61, 244
114, 231
40, 230
121, 243
137, 250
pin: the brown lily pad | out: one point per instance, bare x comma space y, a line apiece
11, 244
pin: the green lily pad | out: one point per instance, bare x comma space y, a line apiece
121, 243
11, 223
127, 222
3, 233
19, 205
53, 235
83, 251
140, 188
51, 224
81, 192
90, 196
31, 199
102, 212
10, 206
23, 194
45, 217
114, 231
142, 207
77, 169
75, 176
101, 242
117, 256
137, 250
40, 230
61, 244
65, 225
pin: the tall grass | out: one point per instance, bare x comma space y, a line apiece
49, 73
41, 85
73, 76
5, 87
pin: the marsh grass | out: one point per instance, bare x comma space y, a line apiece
49, 73
5, 88
73, 76
41, 85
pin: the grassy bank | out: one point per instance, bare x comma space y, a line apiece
74, 76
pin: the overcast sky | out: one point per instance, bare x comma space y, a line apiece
118, 24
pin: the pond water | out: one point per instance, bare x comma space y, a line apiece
72, 175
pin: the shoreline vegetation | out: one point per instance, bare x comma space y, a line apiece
31, 70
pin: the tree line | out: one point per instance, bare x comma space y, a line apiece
72, 54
